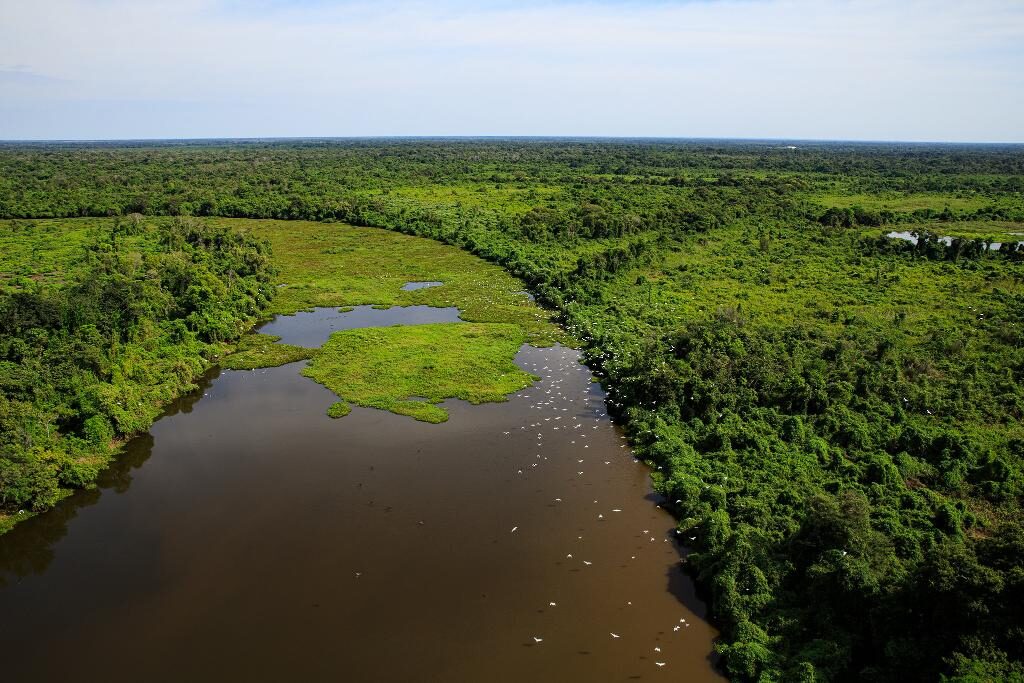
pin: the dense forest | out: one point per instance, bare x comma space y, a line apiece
138, 314
833, 414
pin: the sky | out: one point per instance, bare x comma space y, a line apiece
915, 70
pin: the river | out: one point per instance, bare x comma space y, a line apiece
248, 536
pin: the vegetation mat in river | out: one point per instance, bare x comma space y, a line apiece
263, 351
390, 367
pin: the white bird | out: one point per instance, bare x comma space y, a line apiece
660, 663
587, 563
615, 635
538, 640
513, 530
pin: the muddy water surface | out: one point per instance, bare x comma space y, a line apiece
250, 537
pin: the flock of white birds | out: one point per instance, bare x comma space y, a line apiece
559, 415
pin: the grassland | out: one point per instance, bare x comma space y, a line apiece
409, 369
337, 265
900, 201
49, 252
808, 273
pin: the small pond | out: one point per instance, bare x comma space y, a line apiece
410, 286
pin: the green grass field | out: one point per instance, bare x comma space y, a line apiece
898, 201
48, 251
409, 368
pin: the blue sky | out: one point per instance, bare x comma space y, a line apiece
825, 69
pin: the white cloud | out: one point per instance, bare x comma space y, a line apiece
942, 69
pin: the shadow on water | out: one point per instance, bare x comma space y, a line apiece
27, 549
680, 583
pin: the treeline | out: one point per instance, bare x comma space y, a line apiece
926, 244
91, 362
855, 216
316, 179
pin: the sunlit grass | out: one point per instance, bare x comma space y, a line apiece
263, 351
391, 367
332, 264
898, 201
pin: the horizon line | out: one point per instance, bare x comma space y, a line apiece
649, 138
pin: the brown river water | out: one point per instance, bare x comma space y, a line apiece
250, 537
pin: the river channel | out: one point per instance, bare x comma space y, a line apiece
248, 536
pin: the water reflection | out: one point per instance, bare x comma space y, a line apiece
27, 549
312, 328
410, 286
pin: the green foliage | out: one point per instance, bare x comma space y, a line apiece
339, 409
90, 358
262, 351
408, 369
